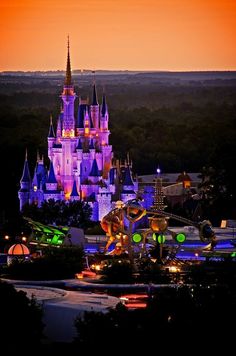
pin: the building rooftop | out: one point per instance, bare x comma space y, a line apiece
168, 178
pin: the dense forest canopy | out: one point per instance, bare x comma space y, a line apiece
180, 121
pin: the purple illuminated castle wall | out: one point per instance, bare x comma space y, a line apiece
81, 159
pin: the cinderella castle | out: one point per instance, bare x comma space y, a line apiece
82, 166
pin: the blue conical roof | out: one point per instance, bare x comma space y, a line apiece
26, 173
94, 101
128, 180
104, 105
112, 175
51, 176
51, 132
80, 119
91, 144
94, 171
79, 145
74, 192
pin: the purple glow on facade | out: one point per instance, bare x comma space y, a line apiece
81, 158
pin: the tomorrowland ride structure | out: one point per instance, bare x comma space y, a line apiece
119, 225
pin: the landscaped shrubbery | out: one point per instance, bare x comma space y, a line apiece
174, 317
21, 321
117, 270
56, 263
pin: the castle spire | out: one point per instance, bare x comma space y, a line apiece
128, 159
95, 100
68, 80
51, 132
104, 105
51, 176
94, 170
74, 192
58, 127
26, 174
38, 156
128, 181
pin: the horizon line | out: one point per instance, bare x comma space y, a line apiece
118, 70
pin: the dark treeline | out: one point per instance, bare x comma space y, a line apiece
178, 124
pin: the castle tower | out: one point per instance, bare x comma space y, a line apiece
39, 182
128, 191
104, 115
95, 108
104, 118
68, 97
74, 194
51, 137
25, 184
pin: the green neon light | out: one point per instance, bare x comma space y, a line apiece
55, 239
65, 229
159, 238
49, 234
46, 230
233, 254
181, 237
56, 231
137, 237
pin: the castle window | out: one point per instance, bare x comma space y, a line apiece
35, 188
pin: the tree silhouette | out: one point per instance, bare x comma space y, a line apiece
72, 213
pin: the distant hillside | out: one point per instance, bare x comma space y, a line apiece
194, 75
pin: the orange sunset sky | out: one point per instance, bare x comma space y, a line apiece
118, 34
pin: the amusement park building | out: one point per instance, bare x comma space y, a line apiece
81, 158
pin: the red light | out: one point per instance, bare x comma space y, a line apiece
134, 301
135, 305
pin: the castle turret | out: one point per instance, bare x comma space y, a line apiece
79, 145
38, 183
104, 197
25, 184
94, 109
74, 194
128, 186
51, 138
51, 183
86, 123
51, 133
94, 173
40, 175
104, 117
58, 129
68, 96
